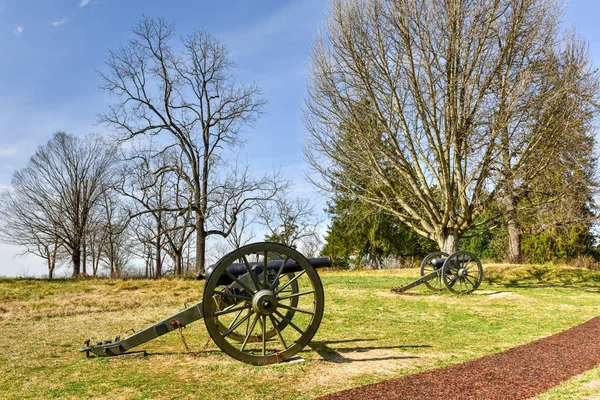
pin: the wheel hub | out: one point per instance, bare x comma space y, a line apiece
264, 302
463, 272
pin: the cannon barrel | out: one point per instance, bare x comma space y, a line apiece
239, 269
438, 262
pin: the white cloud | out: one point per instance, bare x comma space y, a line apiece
83, 3
8, 151
18, 30
59, 22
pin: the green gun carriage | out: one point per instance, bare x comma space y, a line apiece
460, 273
262, 304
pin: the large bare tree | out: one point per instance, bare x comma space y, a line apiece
190, 99
423, 108
54, 196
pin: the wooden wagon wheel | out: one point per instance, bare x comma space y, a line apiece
253, 305
428, 267
462, 272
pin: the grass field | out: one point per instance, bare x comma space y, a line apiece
367, 335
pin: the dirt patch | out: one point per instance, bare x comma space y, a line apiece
348, 364
517, 373
592, 385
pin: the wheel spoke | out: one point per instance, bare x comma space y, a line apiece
290, 281
289, 322
264, 334
453, 281
278, 274
236, 280
234, 296
250, 311
230, 310
296, 309
265, 271
275, 324
472, 283
249, 333
295, 295
236, 318
471, 266
228, 331
254, 280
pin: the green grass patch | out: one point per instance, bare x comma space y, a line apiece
368, 334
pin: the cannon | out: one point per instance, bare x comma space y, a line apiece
460, 273
262, 304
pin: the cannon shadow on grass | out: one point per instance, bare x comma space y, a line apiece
322, 348
335, 355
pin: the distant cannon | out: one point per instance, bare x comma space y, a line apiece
460, 273
262, 304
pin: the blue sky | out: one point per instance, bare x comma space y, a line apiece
51, 51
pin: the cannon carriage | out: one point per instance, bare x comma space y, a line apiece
460, 273
262, 304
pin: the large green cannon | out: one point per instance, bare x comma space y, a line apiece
460, 273
262, 304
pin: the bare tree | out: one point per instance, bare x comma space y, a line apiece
55, 194
191, 99
422, 108
115, 248
148, 192
16, 229
177, 226
290, 221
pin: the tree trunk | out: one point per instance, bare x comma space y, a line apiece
76, 258
52, 259
448, 240
158, 249
177, 260
84, 255
200, 253
200, 244
514, 238
50, 267
513, 227
374, 262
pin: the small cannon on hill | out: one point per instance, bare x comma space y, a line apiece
262, 304
460, 273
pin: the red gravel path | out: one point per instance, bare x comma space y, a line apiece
518, 373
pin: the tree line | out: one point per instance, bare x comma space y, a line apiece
431, 124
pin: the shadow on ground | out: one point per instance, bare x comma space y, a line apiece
332, 354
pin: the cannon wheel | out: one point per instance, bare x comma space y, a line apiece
462, 272
253, 313
427, 268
